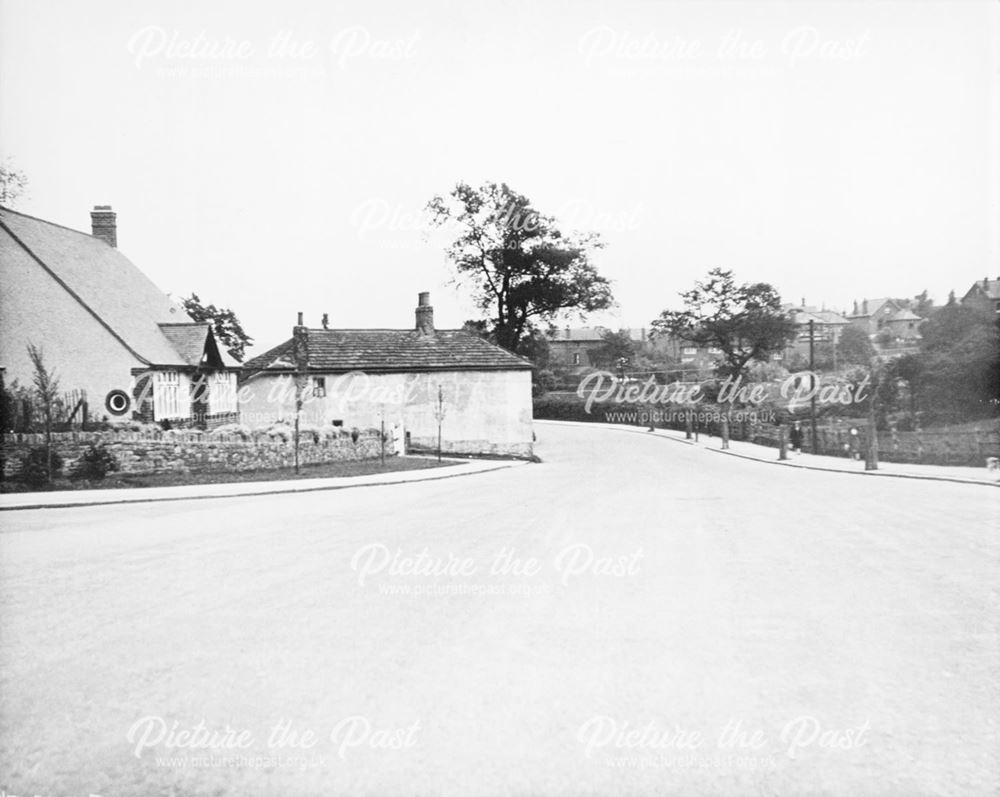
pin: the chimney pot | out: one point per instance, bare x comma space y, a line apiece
425, 314
326, 320
104, 225
299, 323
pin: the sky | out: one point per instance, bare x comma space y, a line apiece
277, 157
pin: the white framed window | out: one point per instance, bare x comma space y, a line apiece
689, 350
576, 358
172, 398
319, 386
221, 392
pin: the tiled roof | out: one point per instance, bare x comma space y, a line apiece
591, 334
103, 280
830, 317
906, 314
392, 350
874, 306
187, 339
194, 342
991, 288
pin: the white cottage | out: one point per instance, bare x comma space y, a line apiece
104, 328
409, 379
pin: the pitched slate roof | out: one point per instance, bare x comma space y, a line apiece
392, 351
874, 307
196, 345
988, 287
105, 283
906, 314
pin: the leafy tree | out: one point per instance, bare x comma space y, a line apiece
13, 184
224, 323
960, 363
922, 305
745, 322
523, 269
855, 347
614, 346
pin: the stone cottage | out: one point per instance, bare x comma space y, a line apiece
408, 379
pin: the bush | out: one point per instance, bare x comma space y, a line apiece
96, 463
232, 429
280, 431
34, 467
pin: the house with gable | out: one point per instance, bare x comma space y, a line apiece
104, 328
985, 296
889, 316
418, 381
821, 325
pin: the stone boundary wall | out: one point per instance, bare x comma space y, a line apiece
182, 451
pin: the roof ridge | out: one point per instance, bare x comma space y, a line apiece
54, 224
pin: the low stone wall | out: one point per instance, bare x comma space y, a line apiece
182, 451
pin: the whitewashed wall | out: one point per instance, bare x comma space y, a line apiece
485, 412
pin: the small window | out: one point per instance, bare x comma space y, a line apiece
319, 386
689, 350
576, 358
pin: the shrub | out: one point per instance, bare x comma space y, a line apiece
281, 432
34, 467
232, 429
96, 463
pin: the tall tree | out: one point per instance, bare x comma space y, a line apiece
522, 268
854, 347
225, 324
614, 346
959, 375
745, 322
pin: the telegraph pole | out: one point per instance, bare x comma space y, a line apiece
812, 384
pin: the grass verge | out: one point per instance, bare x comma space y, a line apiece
325, 471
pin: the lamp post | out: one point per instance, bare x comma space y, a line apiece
871, 457
812, 384
439, 416
382, 435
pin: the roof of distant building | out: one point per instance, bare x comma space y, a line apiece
991, 288
591, 334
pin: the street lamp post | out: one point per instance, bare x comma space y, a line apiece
812, 385
871, 458
439, 416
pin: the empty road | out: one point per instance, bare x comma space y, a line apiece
632, 616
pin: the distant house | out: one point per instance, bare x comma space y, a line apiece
104, 329
578, 348
889, 316
405, 378
826, 327
984, 295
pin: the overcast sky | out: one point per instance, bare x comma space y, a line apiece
275, 157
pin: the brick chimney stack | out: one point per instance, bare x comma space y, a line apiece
425, 314
103, 224
300, 345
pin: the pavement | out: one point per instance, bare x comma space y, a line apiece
739, 448
631, 616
